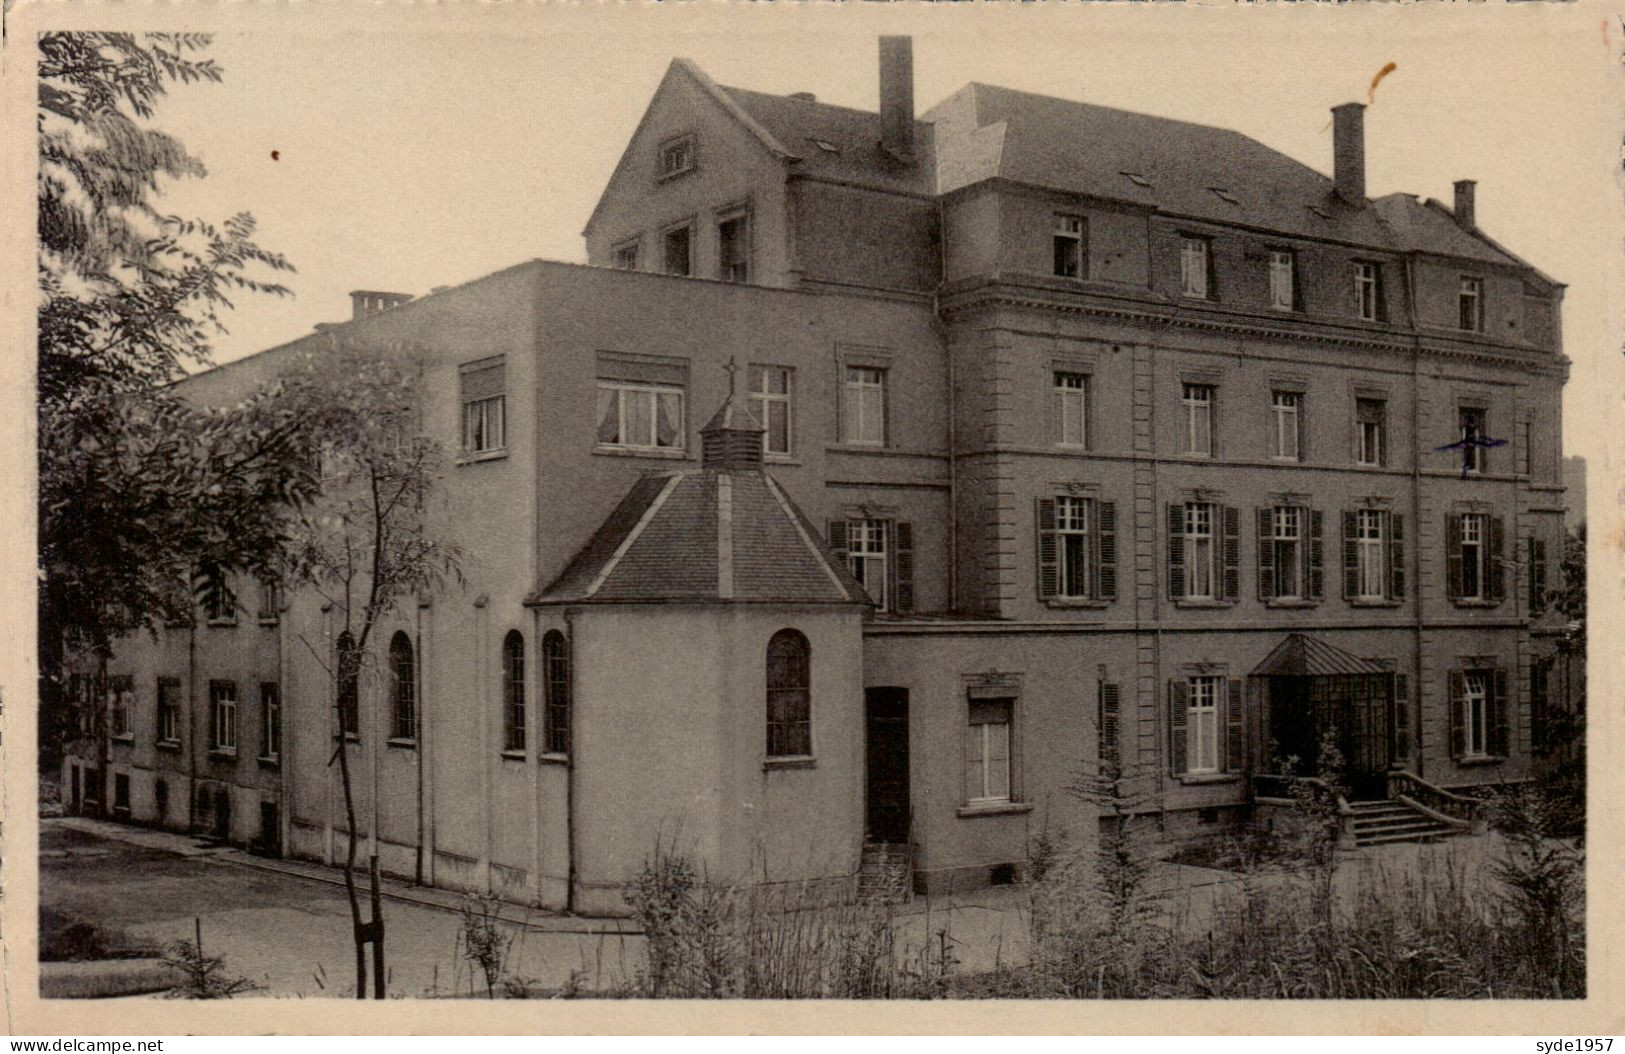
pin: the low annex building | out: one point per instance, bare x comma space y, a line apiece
1052, 438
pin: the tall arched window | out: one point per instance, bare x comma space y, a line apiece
789, 695
513, 691
556, 682
349, 685
403, 688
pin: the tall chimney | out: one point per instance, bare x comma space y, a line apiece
1348, 151
897, 96
1465, 205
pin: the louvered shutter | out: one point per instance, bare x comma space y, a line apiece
1111, 709
1351, 554
1458, 723
1176, 551
903, 597
1266, 554
836, 532
1232, 552
1497, 568
1235, 744
1500, 716
1396, 556
1178, 704
1317, 555
1537, 576
1049, 570
1106, 550
1402, 718
1452, 541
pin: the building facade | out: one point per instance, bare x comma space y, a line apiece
1074, 440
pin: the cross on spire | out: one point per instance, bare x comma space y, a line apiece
733, 368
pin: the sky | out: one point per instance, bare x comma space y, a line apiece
417, 151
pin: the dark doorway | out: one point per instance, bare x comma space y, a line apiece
222, 814
270, 839
1354, 709
76, 802
886, 760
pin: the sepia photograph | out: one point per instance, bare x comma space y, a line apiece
635, 505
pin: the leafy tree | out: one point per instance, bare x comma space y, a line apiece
1572, 600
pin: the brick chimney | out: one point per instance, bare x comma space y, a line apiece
897, 96
1348, 151
366, 302
1466, 213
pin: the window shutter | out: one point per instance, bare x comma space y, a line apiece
837, 539
1351, 554
1537, 576
1497, 568
1049, 571
1452, 536
1402, 717
483, 380
1396, 556
1317, 555
1106, 550
1178, 703
1266, 554
1458, 725
1235, 750
1232, 552
903, 535
1500, 716
1176, 551
1111, 711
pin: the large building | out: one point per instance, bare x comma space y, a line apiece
879, 476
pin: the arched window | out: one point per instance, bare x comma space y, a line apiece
349, 685
789, 696
513, 691
556, 682
403, 688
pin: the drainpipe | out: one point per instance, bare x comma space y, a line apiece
571, 848
191, 726
1417, 724
420, 717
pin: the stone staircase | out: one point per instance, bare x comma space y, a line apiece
886, 873
1382, 822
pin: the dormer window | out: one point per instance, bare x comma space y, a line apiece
676, 156
1470, 304
1194, 258
1068, 246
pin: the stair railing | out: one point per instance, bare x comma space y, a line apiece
1458, 810
1285, 790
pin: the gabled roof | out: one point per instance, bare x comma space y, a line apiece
1302, 656
705, 535
1429, 227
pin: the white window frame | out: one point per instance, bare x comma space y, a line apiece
1194, 265
121, 703
988, 739
271, 720
868, 557
1470, 297
1373, 435
1201, 548
1204, 696
1071, 395
1286, 542
619, 391
1197, 401
763, 401
626, 256
1283, 279
1074, 552
864, 407
223, 717
1068, 237
1475, 717
1475, 457
1475, 529
1371, 550
485, 425
168, 718
1286, 411
1367, 290
682, 148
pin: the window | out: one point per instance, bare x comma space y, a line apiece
640, 416
484, 399
1202, 724
1476, 544
626, 256
348, 665
219, 602
270, 601
223, 717
676, 245
513, 691
556, 684
1071, 400
1369, 555
1472, 557
1373, 555
987, 753
1368, 291
1068, 243
1198, 406
121, 706
1077, 548
1284, 410
1283, 279
676, 156
880, 555
169, 710
1470, 304
403, 688
866, 557
1474, 432
1200, 579
1537, 576
270, 720
1074, 551
1475, 715
1371, 424
733, 249
1193, 267
863, 410
1286, 548
1479, 713
770, 394
789, 696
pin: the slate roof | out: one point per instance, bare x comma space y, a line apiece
1303, 656
1429, 227
662, 544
